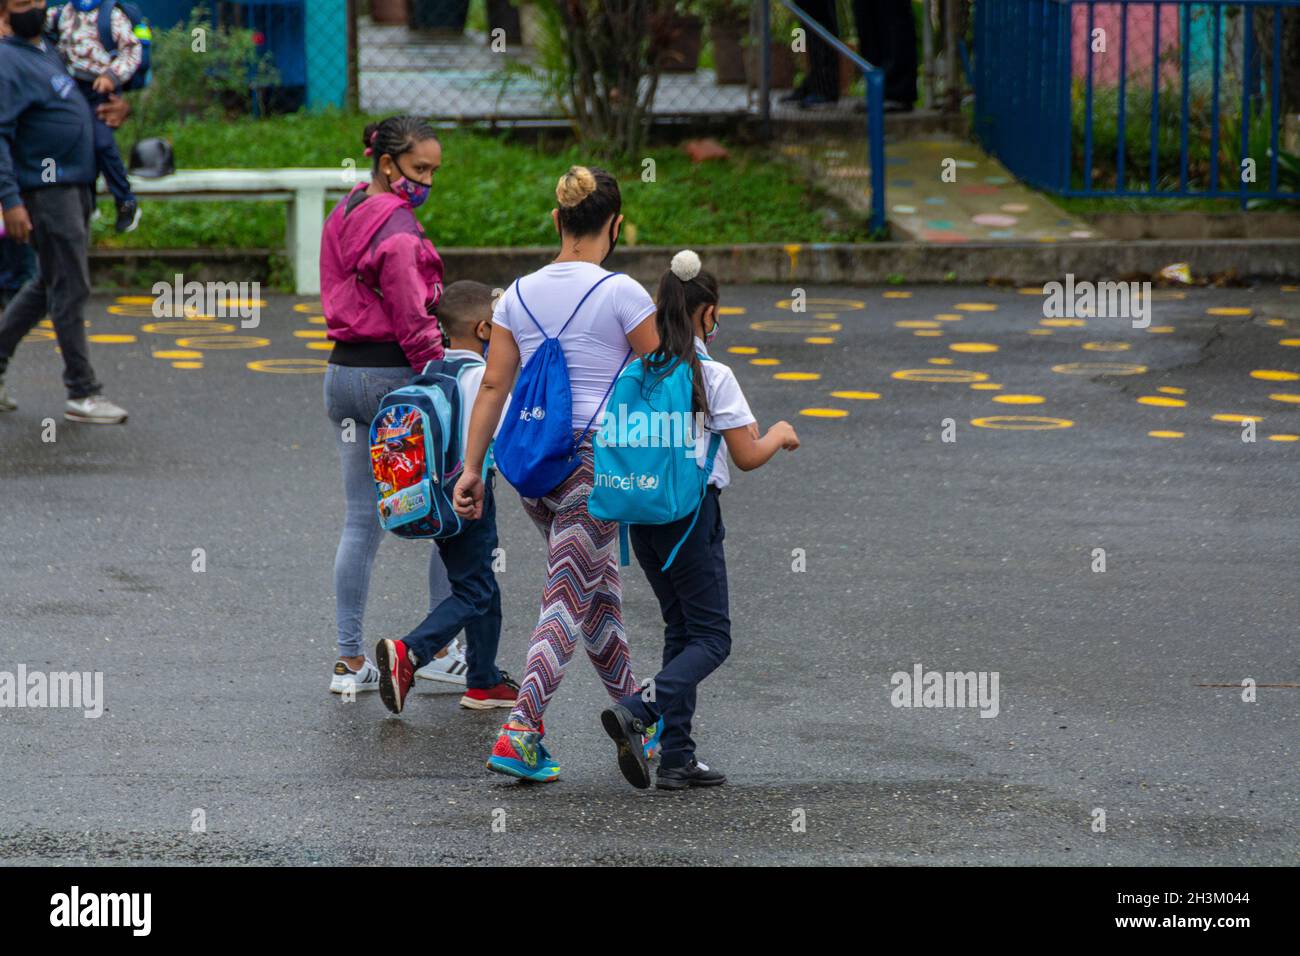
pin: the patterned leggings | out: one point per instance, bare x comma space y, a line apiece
583, 595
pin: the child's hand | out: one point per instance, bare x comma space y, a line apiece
785, 433
104, 84
467, 499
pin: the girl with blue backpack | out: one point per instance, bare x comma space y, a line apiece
683, 559
573, 326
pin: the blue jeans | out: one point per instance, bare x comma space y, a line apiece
355, 393
108, 160
475, 601
692, 595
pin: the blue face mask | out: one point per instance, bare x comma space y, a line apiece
85, 6
712, 334
415, 192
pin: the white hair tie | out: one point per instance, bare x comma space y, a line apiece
686, 265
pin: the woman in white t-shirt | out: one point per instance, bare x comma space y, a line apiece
583, 597
692, 593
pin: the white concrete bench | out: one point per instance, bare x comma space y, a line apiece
305, 190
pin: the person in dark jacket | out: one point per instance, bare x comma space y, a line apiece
47, 175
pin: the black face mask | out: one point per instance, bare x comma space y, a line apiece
613, 238
29, 24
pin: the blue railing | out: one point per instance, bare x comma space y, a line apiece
1159, 98
875, 95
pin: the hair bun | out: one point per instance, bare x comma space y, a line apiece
685, 265
575, 186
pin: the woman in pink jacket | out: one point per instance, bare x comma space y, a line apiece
381, 279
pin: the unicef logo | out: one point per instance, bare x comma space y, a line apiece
647, 482
534, 414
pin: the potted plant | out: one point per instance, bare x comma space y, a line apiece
677, 34
440, 16
728, 28
390, 11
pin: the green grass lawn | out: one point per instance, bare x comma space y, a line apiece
491, 191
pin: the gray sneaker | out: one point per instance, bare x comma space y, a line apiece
93, 410
7, 404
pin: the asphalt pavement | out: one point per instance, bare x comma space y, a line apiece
930, 520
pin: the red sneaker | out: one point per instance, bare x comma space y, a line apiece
396, 673
503, 694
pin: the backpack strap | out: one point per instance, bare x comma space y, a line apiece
599, 282
714, 441
587, 431
623, 558
105, 23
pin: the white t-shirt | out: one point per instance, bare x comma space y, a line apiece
595, 343
470, 380
727, 409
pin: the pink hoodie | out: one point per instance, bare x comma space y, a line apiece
379, 276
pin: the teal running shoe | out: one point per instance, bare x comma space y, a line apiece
519, 753
651, 738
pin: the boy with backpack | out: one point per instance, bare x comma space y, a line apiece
104, 44
465, 314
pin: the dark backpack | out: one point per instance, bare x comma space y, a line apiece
143, 33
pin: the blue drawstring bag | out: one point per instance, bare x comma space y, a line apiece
535, 449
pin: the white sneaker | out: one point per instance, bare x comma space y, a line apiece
7, 404
448, 669
94, 410
367, 678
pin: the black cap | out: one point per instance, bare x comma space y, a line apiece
152, 159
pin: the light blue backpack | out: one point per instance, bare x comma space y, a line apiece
646, 471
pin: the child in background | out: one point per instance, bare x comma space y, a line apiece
465, 314
99, 74
692, 593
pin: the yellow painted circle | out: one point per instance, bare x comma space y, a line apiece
1161, 401
1165, 434
1030, 290
732, 310
185, 328
856, 396
1160, 329
1237, 419
1284, 437
41, 335
1171, 390
987, 386
308, 308
1285, 397
975, 307
1107, 346
796, 325
1040, 331
289, 366
743, 350
321, 346
948, 317
136, 299
1019, 399
917, 324
1275, 375
824, 412
317, 320
1167, 295
109, 339
955, 375
941, 361
170, 354
765, 361
1099, 368
187, 364
797, 376
223, 342
973, 347
927, 334
825, 305
1225, 310
1030, 423
138, 311
819, 340
1292, 343
309, 333
898, 294
1276, 323
1063, 323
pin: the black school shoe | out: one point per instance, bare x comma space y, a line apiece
694, 774
628, 732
